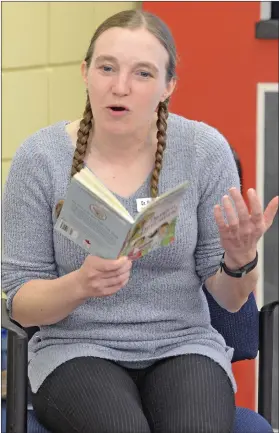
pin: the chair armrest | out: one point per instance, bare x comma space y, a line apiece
17, 359
267, 314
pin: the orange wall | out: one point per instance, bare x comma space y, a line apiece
220, 64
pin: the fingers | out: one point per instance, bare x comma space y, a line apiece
103, 277
270, 212
236, 213
109, 276
262, 220
219, 218
256, 207
111, 290
108, 286
117, 281
241, 223
125, 268
240, 206
232, 218
105, 265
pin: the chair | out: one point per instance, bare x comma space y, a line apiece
248, 331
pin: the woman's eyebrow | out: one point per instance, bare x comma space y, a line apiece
147, 65
143, 64
103, 58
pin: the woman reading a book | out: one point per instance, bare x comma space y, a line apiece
122, 347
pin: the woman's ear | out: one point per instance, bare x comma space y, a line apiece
84, 72
169, 89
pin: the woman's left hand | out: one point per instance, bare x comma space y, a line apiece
240, 235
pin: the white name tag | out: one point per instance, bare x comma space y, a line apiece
142, 203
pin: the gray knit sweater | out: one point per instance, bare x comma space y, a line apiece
162, 311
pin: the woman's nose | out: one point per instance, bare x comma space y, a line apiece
121, 85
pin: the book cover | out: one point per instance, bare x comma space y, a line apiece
155, 225
92, 223
98, 223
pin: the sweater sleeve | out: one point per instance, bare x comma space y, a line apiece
27, 221
217, 174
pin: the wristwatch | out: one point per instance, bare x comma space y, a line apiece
238, 273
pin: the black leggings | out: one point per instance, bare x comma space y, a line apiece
184, 394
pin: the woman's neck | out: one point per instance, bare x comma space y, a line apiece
123, 148
117, 149
120, 149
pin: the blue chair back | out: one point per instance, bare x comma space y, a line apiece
240, 330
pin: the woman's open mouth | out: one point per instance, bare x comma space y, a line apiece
117, 111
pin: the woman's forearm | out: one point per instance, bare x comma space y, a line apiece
44, 302
230, 292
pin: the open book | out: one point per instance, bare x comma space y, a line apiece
94, 219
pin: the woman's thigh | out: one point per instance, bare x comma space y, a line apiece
188, 394
90, 395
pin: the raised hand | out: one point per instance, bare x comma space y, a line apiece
243, 229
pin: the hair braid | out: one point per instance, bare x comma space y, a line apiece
81, 145
161, 145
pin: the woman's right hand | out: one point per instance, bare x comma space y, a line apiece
99, 277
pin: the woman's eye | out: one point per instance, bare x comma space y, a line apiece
106, 68
144, 74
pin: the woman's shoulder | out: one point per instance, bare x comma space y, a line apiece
51, 140
206, 140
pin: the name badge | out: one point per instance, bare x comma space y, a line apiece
142, 203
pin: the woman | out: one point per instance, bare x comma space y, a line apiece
128, 348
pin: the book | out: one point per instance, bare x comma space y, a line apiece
93, 218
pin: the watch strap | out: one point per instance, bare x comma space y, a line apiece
241, 272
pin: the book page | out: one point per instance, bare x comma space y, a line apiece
92, 183
155, 225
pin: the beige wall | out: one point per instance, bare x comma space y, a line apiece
43, 44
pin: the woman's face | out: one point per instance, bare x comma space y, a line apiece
128, 71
